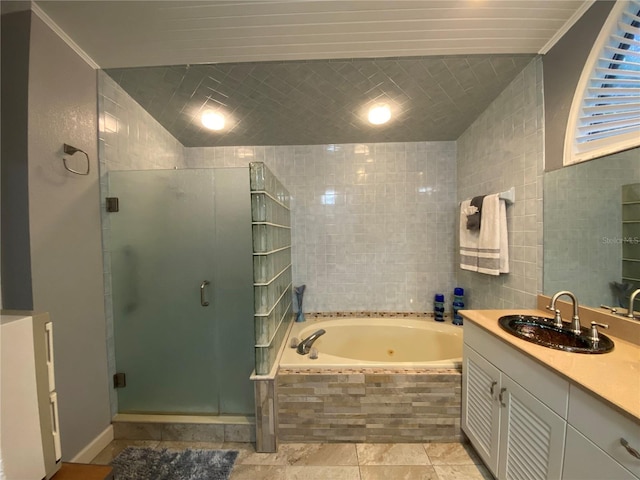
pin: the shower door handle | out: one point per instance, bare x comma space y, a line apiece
203, 302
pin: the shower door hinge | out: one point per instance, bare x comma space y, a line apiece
119, 380
113, 204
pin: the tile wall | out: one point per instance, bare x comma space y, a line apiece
372, 224
128, 139
504, 147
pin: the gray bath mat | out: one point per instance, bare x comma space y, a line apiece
138, 463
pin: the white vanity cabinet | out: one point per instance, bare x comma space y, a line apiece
525, 421
515, 433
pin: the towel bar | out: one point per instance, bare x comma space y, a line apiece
509, 196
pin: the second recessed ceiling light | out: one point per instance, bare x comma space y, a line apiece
379, 114
213, 120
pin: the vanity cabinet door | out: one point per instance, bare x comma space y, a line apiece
531, 435
480, 409
585, 461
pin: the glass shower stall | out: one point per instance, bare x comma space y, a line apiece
182, 290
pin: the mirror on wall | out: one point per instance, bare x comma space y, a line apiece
584, 237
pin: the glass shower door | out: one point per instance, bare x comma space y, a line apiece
162, 273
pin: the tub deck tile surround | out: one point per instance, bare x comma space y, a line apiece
370, 405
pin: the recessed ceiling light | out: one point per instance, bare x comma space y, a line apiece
379, 114
212, 120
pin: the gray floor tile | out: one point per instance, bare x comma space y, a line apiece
392, 454
258, 472
319, 453
398, 472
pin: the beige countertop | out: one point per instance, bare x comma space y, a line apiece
613, 376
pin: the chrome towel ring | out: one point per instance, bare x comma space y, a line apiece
70, 150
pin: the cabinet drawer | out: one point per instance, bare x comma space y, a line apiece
605, 427
543, 383
585, 461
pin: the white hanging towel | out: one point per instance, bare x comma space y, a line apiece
493, 243
468, 239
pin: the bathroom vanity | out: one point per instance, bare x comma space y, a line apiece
533, 412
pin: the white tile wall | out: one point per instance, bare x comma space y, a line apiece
130, 138
372, 224
504, 148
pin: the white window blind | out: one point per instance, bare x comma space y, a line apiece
605, 114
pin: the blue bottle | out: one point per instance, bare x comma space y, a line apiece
438, 307
458, 304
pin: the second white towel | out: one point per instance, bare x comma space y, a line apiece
493, 242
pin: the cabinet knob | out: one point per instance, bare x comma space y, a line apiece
629, 448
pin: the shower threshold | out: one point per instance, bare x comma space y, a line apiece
184, 428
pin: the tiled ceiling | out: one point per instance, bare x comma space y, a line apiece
318, 102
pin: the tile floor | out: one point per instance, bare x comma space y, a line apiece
337, 461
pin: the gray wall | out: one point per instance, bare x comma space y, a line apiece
64, 231
504, 148
16, 260
563, 66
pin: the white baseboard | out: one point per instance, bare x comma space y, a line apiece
98, 444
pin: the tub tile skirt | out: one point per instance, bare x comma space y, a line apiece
369, 405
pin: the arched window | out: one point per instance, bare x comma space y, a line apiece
605, 113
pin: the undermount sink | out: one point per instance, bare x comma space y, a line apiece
541, 331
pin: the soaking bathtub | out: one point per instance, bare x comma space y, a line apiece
377, 342
376, 380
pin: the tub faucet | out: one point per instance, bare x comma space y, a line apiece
575, 320
632, 300
305, 345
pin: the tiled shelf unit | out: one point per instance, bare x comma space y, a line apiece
631, 235
272, 285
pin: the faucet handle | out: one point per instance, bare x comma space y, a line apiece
593, 335
557, 319
607, 307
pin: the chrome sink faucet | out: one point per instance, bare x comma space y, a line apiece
305, 345
575, 320
632, 300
